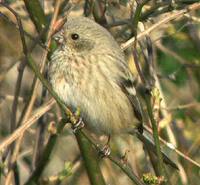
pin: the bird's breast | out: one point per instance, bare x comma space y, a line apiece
92, 88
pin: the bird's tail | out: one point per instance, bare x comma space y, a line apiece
147, 139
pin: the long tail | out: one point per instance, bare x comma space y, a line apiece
147, 139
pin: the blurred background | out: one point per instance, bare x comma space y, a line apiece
171, 48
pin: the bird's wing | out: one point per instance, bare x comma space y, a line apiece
127, 85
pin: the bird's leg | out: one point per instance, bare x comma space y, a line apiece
105, 151
78, 125
77, 121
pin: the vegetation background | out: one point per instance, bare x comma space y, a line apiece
36, 147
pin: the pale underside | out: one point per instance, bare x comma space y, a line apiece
89, 73
104, 107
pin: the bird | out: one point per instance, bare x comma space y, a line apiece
89, 72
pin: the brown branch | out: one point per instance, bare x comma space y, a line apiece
36, 85
184, 106
17, 88
20, 131
172, 147
39, 132
128, 171
168, 18
20, 69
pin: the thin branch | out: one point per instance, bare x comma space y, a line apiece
32, 100
17, 89
11, 97
128, 171
136, 18
156, 7
61, 104
92, 166
170, 52
27, 124
33, 179
168, 129
63, 107
167, 19
20, 69
40, 135
172, 147
184, 106
37, 15
17, 27
155, 133
76, 165
137, 14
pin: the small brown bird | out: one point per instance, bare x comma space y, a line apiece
89, 71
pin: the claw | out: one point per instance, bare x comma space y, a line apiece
105, 151
78, 125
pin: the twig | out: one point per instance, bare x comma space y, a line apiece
17, 27
88, 153
155, 133
4, 73
20, 131
156, 7
39, 144
76, 165
37, 15
137, 14
17, 88
147, 95
167, 19
20, 69
126, 170
134, 28
33, 179
122, 166
63, 107
29, 108
11, 98
172, 147
193, 18
46, 84
184, 106
169, 131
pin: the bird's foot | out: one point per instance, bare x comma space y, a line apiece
105, 151
78, 125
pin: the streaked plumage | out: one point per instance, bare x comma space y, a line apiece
90, 73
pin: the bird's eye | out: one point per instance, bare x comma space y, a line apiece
74, 36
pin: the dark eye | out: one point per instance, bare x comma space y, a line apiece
74, 36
